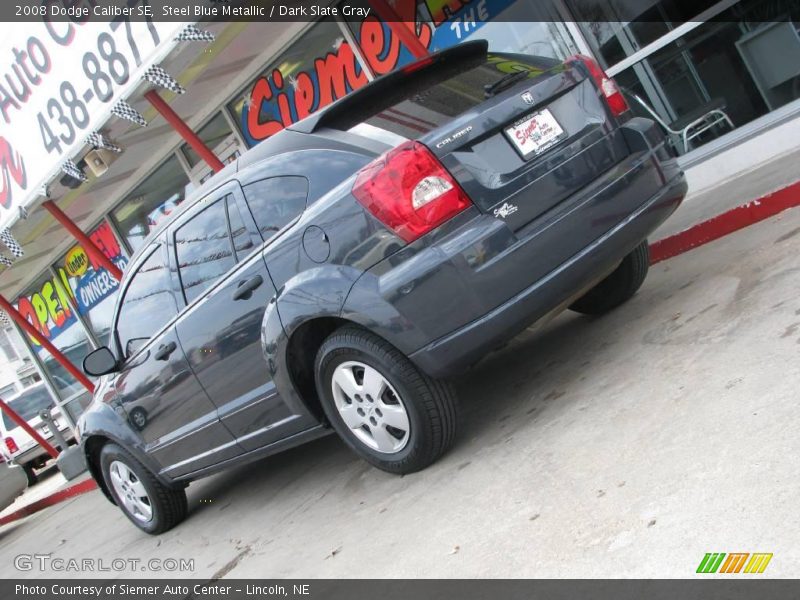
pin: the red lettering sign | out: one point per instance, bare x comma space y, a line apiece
331, 76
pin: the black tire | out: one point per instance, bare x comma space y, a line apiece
30, 475
169, 506
618, 287
430, 405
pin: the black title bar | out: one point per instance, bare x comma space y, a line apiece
597, 11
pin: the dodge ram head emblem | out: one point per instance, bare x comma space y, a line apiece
527, 97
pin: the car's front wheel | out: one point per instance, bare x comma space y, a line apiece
381, 405
618, 287
149, 504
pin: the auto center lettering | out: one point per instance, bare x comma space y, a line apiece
284, 100
81, 284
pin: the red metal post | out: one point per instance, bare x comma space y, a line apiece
37, 335
399, 28
31, 431
191, 138
83, 239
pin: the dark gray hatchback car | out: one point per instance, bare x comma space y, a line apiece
340, 273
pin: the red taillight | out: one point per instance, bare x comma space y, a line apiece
409, 191
11, 445
616, 101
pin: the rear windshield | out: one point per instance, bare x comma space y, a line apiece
434, 96
28, 406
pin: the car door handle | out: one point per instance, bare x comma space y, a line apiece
245, 288
164, 350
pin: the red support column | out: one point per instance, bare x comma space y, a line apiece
37, 335
399, 28
31, 431
189, 136
83, 239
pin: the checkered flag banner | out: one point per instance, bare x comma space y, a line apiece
11, 243
123, 110
158, 76
4, 260
98, 140
71, 169
4, 320
191, 33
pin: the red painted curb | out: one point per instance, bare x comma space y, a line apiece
725, 223
59, 496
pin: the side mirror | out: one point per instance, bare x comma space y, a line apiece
100, 362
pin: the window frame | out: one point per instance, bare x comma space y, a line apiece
280, 232
156, 245
218, 194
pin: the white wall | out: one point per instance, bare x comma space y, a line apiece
10, 370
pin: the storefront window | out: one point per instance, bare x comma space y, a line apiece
91, 288
320, 66
508, 26
616, 30
212, 134
50, 308
151, 202
734, 68
316, 70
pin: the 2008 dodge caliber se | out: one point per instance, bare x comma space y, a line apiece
339, 273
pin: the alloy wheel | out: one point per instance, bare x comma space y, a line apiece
371, 407
131, 491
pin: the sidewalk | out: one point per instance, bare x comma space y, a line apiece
716, 186
51, 488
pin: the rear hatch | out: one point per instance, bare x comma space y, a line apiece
519, 133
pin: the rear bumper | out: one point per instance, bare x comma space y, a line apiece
468, 344
457, 293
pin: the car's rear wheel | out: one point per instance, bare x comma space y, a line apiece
381, 405
618, 287
149, 504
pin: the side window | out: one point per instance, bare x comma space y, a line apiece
275, 202
242, 244
203, 249
148, 303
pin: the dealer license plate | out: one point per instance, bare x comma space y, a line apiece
535, 134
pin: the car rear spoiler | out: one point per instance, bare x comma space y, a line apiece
390, 89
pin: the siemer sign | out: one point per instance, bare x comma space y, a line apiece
59, 80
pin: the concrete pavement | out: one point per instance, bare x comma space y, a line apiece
622, 446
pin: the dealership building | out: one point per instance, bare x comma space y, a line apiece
107, 127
